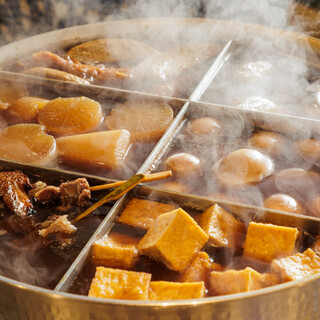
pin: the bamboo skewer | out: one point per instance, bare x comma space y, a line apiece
147, 178
121, 188
113, 195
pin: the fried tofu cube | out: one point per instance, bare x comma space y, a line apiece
174, 238
120, 284
267, 242
200, 268
297, 266
269, 279
223, 229
234, 281
140, 213
112, 251
165, 290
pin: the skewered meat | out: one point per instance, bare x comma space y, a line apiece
13, 185
88, 72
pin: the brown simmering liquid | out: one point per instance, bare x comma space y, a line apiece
39, 261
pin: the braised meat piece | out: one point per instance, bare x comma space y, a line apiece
71, 193
59, 225
75, 192
47, 193
13, 186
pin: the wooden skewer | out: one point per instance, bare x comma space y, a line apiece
147, 178
113, 195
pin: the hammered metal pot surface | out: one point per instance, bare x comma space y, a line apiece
292, 301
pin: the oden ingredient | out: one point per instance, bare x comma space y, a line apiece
105, 148
64, 116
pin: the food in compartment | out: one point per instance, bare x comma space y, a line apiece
125, 63
67, 116
36, 223
9, 93
166, 290
115, 252
88, 72
176, 254
13, 189
141, 213
256, 103
170, 64
235, 281
60, 225
244, 163
104, 148
297, 266
267, 242
269, 142
119, 284
146, 120
130, 129
184, 164
24, 109
174, 238
55, 74
199, 268
109, 50
204, 126
309, 149
314, 206
284, 202
244, 166
28, 143
223, 229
